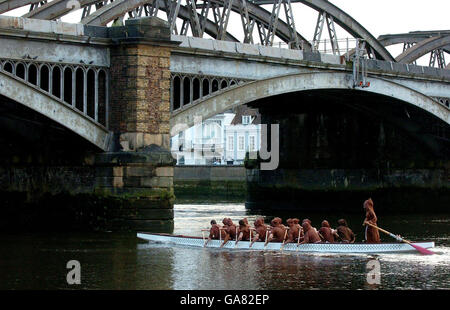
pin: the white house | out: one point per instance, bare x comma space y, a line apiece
219, 140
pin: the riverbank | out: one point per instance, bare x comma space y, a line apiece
209, 183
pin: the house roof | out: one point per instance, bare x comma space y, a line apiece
243, 110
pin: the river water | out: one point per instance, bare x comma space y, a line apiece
121, 261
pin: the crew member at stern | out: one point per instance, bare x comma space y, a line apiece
372, 235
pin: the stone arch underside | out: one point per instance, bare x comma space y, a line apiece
252, 91
47, 105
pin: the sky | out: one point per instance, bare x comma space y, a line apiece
377, 16
398, 16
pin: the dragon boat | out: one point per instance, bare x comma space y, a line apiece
350, 248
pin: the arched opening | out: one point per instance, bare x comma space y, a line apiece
32, 74
215, 85
68, 89
176, 100
79, 89
20, 70
232, 82
56, 81
195, 89
102, 97
8, 67
205, 90
223, 84
45, 78
186, 90
91, 93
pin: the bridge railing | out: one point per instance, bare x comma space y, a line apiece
188, 88
84, 87
341, 47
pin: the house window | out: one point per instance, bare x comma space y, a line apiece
241, 143
246, 119
230, 143
251, 143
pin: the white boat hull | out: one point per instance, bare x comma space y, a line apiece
276, 246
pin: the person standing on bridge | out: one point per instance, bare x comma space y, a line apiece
372, 235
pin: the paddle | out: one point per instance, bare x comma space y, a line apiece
284, 239
418, 248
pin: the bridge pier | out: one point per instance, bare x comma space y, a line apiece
139, 171
52, 179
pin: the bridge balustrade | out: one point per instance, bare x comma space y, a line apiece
186, 89
444, 101
83, 87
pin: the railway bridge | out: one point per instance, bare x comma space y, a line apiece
88, 108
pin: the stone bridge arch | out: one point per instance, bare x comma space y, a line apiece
41, 102
221, 101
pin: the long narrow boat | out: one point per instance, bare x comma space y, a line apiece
350, 248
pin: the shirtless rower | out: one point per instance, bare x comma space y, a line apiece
229, 229
214, 232
345, 233
310, 223
244, 231
278, 231
294, 230
311, 235
260, 231
326, 233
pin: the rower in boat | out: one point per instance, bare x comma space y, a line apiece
278, 231
326, 233
244, 231
295, 230
311, 235
345, 234
229, 230
214, 232
261, 231
372, 234
310, 223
